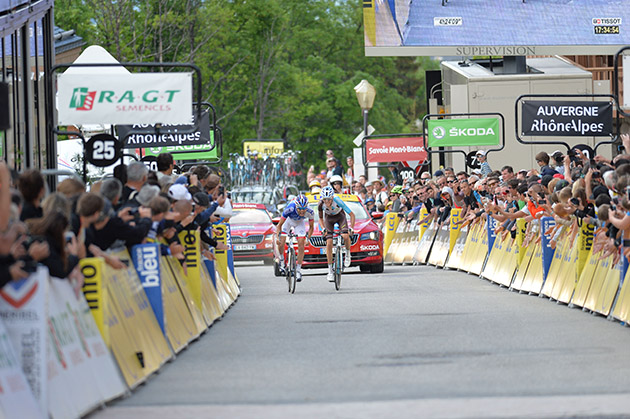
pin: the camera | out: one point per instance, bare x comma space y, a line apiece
30, 266
575, 201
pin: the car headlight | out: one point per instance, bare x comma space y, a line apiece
372, 235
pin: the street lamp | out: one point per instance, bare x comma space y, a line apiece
365, 95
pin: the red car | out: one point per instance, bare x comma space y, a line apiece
367, 241
252, 233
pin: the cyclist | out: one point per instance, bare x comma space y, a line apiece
297, 215
331, 211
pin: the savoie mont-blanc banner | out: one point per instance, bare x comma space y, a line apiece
394, 149
146, 98
463, 132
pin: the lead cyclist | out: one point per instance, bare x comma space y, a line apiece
332, 210
296, 215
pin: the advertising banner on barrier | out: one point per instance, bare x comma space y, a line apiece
145, 135
23, 312
265, 148
391, 224
491, 226
586, 243
383, 150
190, 241
455, 217
141, 98
230, 252
463, 132
547, 251
70, 354
567, 118
422, 227
94, 292
146, 260
16, 398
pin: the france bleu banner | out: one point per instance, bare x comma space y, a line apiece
547, 250
212, 271
492, 225
146, 260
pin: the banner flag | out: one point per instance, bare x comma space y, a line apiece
547, 251
146, 259
491, 225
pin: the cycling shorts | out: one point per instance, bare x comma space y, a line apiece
300, 227
331, 220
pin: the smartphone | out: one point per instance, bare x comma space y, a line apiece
68, 236
575, 201
542, 202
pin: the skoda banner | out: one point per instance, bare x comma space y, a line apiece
395, 149
567, 119
464, 132
144, 98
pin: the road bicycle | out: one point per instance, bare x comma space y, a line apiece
339, 253
291, 261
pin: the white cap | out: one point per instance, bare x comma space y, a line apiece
179, 192
480, 152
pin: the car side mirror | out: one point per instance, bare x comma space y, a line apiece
275, 220
377, 215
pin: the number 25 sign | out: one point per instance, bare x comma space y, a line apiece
103, 150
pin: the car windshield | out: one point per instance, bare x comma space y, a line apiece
249, 217
356, 207
257, 197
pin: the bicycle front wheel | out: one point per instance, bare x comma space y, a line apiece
291, 271
338, 268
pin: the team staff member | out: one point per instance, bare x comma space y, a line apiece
297, 214
331, 211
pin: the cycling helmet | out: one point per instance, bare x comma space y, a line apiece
327, 192
335, 178
397, 189
301, 202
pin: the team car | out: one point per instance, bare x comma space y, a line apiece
366, 242
252, 232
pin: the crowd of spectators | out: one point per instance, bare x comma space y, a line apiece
57, 229
570, 187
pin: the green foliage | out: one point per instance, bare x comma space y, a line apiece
273, 69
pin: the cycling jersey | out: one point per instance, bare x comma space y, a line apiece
336, 207
290, 211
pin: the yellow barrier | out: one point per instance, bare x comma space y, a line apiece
622, 307
424, 247
391, 224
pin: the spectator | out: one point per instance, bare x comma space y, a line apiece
165, 165
485, 167
31, 185
137, 174
350, 171
337, 183
333, 169
542, 159
507, 174
63, 257
380, 194
111, 189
